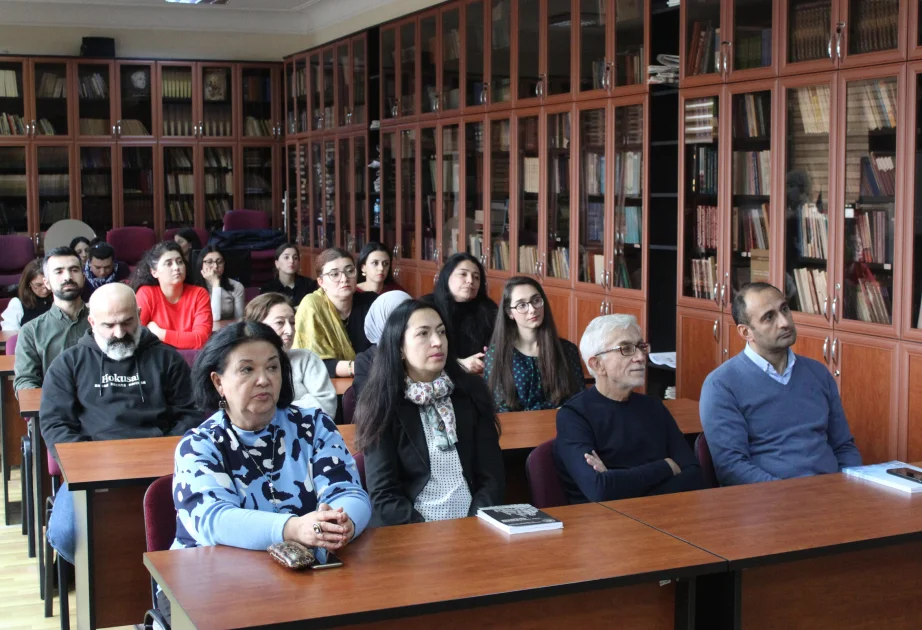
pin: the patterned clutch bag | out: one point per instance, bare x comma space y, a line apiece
292, 555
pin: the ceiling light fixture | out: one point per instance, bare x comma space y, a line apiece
198, 1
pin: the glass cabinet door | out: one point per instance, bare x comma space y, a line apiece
451, 60
14, 190
301, 96
873, 26
343, 85
407, 204
316, 91
290, 200
360, 193
807, 286
451, 190
53, 189
96, 191
329, 90
558, 42
592, 229
429, 165
217, 102
750, 189
305, 193
408, 69
752, 34
94, 106
474, 165
137, 185
315, 217
700, 182
428, 69
258, 120
12, 101
51, 82
529, 164
870, 198
176, 101
386, 217
475, 71
219, 184
136, 105
530, 79
558, 196
389, 73
594, 71
289, 109
326, 218
500, 52
629, 39
916, 224
178, 186
344, 177
809, 31
702, 38
258, 176
627, 272
500, 190
358, 108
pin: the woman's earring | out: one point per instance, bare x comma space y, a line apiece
223, 403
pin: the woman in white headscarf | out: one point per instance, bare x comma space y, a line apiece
377, 316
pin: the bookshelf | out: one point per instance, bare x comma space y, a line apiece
474, 190
428, 63
527, 206
592, 265
451, 42
179, 186
451, 191
137, 185
258, 102
556, 258
500, 190
429, 172
51, 84
53, 189
558, 39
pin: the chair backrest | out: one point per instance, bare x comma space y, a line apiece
246, 220
18, 251
703, 453
189, 355
543, 481
203, 234
11, 345
130, 243
249, 294
360, 464
349, 399
160, 514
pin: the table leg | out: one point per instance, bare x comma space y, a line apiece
39, 482
83, 561
179, 620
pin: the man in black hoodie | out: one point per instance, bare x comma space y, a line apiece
118, 382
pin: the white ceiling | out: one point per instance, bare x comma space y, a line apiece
248, 5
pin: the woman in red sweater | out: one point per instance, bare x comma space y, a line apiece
178, 313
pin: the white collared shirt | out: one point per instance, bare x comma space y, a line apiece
768, 368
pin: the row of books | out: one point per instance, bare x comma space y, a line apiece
752, 172
500, 136
45, 127
873, 238
9, 84
299, 82
704, 277
703, 170
559, 263
558, 136
592, 267
701, 121
501, 255
528, 134
812, 232
629, 125
599, 70
14, 185
219, 158
180, 183
180, 210
592, 128
92, 87
256, 184
876, 26
531, 175
451, 44
94, 127
56, 185
704, 42
51, 85
594, 174
11, 125
753, 48
872, 105
501, 22
528, 259
878, 175
753, 116
814, 108
96, 185
53, 211
871, 302
629, 174
219, 183
812, 290
215, 209
178, 158
631, 70
261, 203
133, 127
706, 224
595, 222
253, 126
809, 31
257, 89
749, 228
177, 83
621, 275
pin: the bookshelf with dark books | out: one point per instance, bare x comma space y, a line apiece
450, 159
179, 198
627, 243
630, 34
556, 260
52, 113
258, 101
177, 101
94, 101
219, 167
429, 167
592, 265
12, 99
53, 190
527, 207
137, 185
474, 190
14, 190
97, 193
500, 191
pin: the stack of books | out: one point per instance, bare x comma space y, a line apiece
706, 227
878, 175
809, 30
51, 85
560, 263
750, 228
752, 172
813, 230
876, 26
9, 84
812, 290
704, 276
704, 43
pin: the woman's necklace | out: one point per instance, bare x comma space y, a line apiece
247, 456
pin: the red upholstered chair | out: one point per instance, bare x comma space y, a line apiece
130, 243
54, 472
249, 294
546, 489
360, 464
703, 453
349, 400
18, 251
160, 529
246, 220
203, 234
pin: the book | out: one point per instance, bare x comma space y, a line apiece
520, 518
878, 474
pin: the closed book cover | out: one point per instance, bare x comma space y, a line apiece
878, 474
519, 518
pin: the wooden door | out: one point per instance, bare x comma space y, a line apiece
808, 36
495, 288
409, 278
873, 33
731, 342
593, 212
138, 190
135, 100
218, 92
558, 303
866, 369
587, 306
910, 402
18, 171
749, 46
179, 88
529, 45
14, 86
700, 30
698, 350
95, 100
258, 103
95, 190
556, 173
814, 343
51, 94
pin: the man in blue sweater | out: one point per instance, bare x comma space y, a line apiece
767, 413
613, 443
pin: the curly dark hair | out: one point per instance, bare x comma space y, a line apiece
142, 276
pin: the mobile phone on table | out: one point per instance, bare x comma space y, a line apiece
326, 559
906, 473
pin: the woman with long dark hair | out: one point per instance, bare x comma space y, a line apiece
376, 267
427, 428
461, 296
226, 293
287, 280
81, 245
189, 242
33, 298
179, 314
528, 366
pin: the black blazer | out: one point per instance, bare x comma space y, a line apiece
362, 367
397, 467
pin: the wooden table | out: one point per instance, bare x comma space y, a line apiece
341, 385
597, 570
7, 440
30, 402
817, 552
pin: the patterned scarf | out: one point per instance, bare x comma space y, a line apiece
95, 282
434, 402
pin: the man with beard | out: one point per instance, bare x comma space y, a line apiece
118, 382
768, 413
45, 337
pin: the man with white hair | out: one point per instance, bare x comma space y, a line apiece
118, 382
613, 443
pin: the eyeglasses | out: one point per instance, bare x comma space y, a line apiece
336, 275
628, 349
536, 302
213, 263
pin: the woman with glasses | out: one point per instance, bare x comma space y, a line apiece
331, 321
33, 298
179, 314
375, 266
528, 366
612, 442
287, 280
226, 293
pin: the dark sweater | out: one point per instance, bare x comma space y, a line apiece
633, 440
303, 286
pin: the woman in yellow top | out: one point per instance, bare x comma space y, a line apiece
330, 322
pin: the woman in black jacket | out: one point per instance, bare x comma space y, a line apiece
427, 429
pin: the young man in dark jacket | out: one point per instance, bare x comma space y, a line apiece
118, 382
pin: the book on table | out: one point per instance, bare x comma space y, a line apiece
520, 518
878, 474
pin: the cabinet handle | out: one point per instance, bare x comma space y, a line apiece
601, 309
716, 297
606, 76
835, 299
397, 273
723, 293
825, 304
483, 260
484, 98
717, 330
727, 57
829, 46
118, 127
34, 128
113, 129
825, 348
396, 251
840, 28
835, 345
